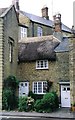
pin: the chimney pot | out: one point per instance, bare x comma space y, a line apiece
45, 12
57, 22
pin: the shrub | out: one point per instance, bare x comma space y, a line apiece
9, 100
35, 96
38, 106
48, 103
26, 104
11, 82
22, 106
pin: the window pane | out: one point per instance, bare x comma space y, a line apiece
68, 89
39, 87
35, 87
44, 87
39, 31
23, 32
42, 64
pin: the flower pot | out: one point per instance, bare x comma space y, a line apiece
73, 108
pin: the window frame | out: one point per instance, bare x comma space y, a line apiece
42, 64
11, 45
39, 31
39, 89
23, 31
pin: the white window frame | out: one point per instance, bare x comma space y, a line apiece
39, 87
23, 32
42, 64
39, 31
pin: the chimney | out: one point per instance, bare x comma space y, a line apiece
57, 27
16, 4
45, 12
57, 22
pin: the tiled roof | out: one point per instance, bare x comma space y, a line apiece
43, 21
63, 46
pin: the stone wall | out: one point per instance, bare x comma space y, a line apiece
58, 70
1, 60
10, 30
72, 67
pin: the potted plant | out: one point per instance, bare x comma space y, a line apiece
73, 107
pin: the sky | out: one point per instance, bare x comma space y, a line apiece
64, 7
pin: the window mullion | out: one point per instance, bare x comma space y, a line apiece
42, 87
37, 87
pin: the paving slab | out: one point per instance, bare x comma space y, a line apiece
61, 113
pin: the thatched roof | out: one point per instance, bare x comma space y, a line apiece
38, 48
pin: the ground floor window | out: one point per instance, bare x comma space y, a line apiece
39, 87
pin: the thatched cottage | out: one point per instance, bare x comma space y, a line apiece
42, 53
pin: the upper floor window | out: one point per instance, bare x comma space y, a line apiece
42, 64
23, 32
11, 44
39, 31
39, 87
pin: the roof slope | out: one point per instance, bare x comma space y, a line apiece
43, 21
42, 48
2, 10
63, 46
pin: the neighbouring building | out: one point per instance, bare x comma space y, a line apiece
31, 25
8, 44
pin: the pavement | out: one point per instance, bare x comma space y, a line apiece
60, 113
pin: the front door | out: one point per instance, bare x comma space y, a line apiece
23, 88
65, 96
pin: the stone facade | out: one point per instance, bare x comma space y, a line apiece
72, 67
32, 27
8, 33
1, 60
58, 70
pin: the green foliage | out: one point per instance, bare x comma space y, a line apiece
48, 103
22, 106
26, 104
9, 98
38, 105
35, 96
11, 82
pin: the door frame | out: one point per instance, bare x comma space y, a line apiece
62, 84
24, 86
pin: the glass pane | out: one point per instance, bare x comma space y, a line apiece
39, 87
41, 64
44, 87
68, 89
35, 87
64, 88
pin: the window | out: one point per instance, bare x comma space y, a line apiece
39, 87
23, 32
11, 44
39, 31
42, 64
